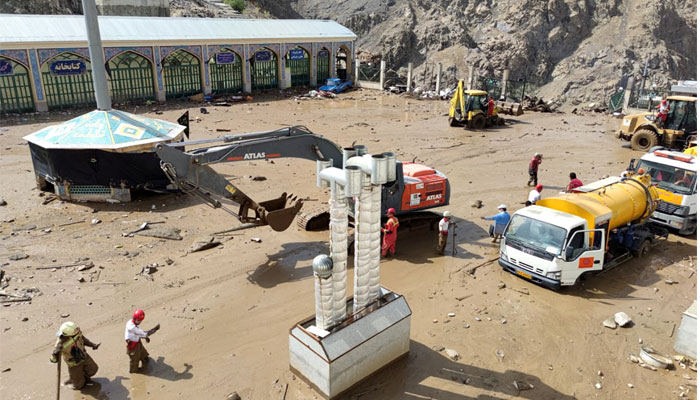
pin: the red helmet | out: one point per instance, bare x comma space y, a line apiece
391, 211
663, 101
539, 188
139, 315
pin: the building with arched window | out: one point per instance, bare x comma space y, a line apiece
45, 62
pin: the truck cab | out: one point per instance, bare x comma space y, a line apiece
675, 176
550, 247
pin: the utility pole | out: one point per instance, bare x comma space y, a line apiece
97, 58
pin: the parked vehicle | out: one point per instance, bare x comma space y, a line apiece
336, 85
601, 225
675, 176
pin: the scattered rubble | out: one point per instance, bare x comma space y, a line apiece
610, 323
18, 256
161, 233
452, 354
622, 319
203, 243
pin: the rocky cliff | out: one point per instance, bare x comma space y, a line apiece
574, 50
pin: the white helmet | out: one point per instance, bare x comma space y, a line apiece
68, 329
538, 155
447, 214
502, 206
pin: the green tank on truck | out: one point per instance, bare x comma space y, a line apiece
599, 226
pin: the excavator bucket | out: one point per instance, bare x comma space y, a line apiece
280, 212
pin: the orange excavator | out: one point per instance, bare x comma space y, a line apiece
417, 189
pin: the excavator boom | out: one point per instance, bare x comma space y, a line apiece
189, 170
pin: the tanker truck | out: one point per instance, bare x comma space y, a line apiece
601, 225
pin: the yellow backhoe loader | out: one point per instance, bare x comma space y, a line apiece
470, 109
645, 131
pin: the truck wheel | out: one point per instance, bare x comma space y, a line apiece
643, 249
644, 139
479, 122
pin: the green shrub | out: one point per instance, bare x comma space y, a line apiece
238, 5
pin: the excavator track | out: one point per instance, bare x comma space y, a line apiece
315, 219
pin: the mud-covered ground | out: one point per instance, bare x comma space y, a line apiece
225, 313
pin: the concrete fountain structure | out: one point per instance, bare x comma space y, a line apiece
350, 339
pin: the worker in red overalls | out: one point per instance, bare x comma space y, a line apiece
663, 112
389, 230
491, 105
133, 335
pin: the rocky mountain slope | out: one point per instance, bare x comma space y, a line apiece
574, 50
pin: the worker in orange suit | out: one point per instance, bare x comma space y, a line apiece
491, 106
389, 230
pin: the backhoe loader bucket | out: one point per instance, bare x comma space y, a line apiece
280, 212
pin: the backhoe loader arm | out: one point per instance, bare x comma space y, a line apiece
190, 172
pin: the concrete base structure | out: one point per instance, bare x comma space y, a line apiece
336, 360
687, 338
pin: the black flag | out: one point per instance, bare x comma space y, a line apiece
184, 120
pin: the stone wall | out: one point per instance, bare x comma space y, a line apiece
146, 8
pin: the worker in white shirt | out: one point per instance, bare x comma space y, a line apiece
133, 335
534, 195
443, 230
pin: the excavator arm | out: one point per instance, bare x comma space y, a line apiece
190, 171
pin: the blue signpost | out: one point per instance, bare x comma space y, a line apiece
263, 56
296, 54
6, 68
68, 67
225, 58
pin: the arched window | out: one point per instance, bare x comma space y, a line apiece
323, 66
15, 87
264, 69
181, 74
130, 77
299, 64
68, 81
226, 71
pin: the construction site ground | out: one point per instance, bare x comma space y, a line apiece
226, 312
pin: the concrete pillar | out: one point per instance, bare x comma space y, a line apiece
97, 57
204, 73
247, 80
409, 79
504, 86
382, 73
470, 77
437, 79
313, 59
283, 68
357, 72
628, 93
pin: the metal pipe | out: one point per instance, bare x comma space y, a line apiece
348, 152
391, 166
97, 58
321, 165
353, 181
